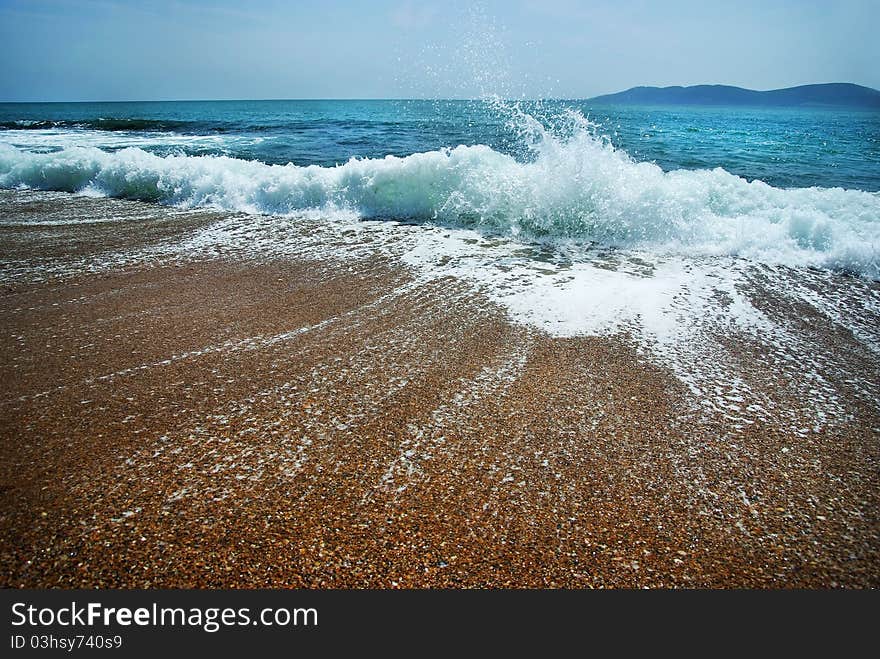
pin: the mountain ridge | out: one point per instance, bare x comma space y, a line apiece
834, 94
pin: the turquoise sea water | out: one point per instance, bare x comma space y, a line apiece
794, 186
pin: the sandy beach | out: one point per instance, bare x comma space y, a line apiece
216, 416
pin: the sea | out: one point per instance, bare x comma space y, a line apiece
791, 186
680, 228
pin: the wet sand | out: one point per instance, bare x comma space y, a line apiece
219, 420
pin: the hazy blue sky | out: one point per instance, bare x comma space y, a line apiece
185, 49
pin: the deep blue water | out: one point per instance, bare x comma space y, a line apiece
783, 147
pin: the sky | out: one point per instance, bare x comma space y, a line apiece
77, 50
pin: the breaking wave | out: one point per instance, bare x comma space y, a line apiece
572, 186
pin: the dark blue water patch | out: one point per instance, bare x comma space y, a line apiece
131, 124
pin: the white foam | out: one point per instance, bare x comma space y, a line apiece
675, 309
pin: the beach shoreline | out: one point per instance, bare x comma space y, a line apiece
231, 419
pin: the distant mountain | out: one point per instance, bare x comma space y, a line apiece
836, 94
